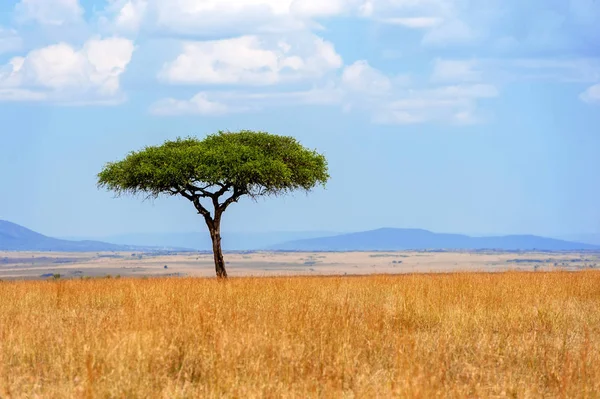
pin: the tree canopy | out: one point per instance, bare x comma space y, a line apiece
225, 164
252, 163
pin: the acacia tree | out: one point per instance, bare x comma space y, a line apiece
217, 171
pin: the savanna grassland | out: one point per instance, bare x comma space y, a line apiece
521, 334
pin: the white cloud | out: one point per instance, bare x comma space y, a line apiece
219, 18
64, 74
419, 110
498, 70
212, 16
361, 77
252, 60
358, 84
447, 104
318, 8
504, 28
391, 116
591, 95
49, 12
21, 95
129, 14
359, 87
218, 103
452, 32
455, 70
327, 94
9, 40
200, 104
553, 69
467, 117
195, 7
413, 22
462, 91
247, 16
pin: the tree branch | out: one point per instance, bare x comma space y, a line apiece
215, 199
237, 193
195, 189
223, 190
201, 209
190, 192
196, 201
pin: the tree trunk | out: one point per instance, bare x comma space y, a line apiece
215, 235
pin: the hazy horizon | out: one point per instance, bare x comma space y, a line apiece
469, 117
569, 237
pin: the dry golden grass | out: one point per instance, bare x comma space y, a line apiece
455, 335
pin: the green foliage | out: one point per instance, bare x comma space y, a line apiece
246, 162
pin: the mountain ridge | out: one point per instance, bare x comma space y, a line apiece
395, 239
14, 237
200, 240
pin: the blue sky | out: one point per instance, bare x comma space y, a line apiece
451, 115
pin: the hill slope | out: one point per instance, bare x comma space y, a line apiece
231, 241
407, 239
18, 238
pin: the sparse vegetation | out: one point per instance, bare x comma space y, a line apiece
451, 335
388, 256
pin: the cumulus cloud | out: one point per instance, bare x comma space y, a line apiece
128, 15
359, 87
361, 77
64, 74
357, 84
319, 8
199, 104
237, 17
252, 60
591, 95
200, 16
502, 26
49, 12
215, 16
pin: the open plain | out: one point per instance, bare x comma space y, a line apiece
37, 265
456, 335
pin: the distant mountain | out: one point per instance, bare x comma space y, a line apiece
231, 241
18, 238
593, 239
414, 239
15, 237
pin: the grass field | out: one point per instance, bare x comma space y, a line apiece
521, 334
